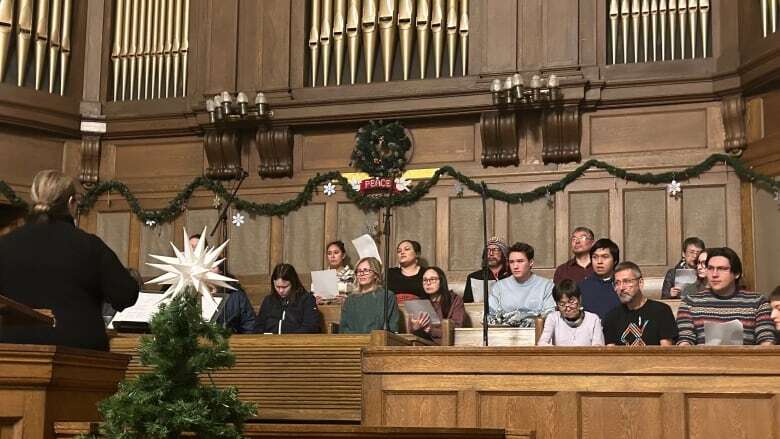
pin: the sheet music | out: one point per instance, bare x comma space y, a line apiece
415, 307
148, 303
728, 333
477, 289
325, 283
684, 277
366, 247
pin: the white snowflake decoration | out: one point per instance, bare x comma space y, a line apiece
238, 220
355, 183
402, 184
329, 188
674, 188
194, 267
217, 202
458, 189
151, 223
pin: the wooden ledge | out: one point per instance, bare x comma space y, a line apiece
618, 360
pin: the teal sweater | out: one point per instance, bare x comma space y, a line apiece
363, 313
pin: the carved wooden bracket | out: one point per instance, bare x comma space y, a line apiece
562, 133
90, 160
498, 130
733, 110
223, 152
275, 148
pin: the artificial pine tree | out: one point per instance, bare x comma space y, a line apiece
171, 400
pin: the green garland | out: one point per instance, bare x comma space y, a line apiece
380, 149
178, 204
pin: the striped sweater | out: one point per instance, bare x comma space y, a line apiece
751, 309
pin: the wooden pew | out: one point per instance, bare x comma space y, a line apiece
310, 377
42, 384
70, 430
594, 392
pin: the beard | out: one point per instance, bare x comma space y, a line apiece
493, 262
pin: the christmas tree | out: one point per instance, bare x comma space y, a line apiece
182, 348
170, 399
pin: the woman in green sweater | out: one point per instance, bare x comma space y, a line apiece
363, 310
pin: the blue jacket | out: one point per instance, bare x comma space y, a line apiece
237, 314
598, 295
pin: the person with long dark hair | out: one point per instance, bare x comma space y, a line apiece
336, 254
406, 279
50, 263
447, 305
289, 308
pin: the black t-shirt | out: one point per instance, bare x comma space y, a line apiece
645, 326
400, 284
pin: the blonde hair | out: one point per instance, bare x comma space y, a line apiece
374, 265
50, 192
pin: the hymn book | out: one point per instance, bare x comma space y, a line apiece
147, 306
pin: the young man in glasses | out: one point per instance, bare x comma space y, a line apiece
638, 321
724, 302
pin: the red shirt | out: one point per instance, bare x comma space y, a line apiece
572, 270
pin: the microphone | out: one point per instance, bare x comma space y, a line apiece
284, 304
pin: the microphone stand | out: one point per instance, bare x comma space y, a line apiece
386, 233
222, 222
485, 270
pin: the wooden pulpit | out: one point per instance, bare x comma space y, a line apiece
41, 384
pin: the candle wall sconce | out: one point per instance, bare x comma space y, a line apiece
234, 123
539, 102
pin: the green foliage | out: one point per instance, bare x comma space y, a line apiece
170, 399
418, 191
380, 149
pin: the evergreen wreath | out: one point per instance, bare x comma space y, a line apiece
178, 204
381, 148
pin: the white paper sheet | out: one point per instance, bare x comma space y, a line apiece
325, 283
728, 333
415, 307
477, 289
148, 303
366, 247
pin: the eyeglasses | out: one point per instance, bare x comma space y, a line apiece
580, 238
430, 280
627, 282
493, 250
573, 301
713, 269
363, 271
701, 263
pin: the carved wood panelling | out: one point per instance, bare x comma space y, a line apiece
275, 148
223, 152
90, 159
562, 135
733, 111
499, 138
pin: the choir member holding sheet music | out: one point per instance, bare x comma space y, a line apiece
338, 261
50, 263
497, 270
289, 308
363, 311
446, 305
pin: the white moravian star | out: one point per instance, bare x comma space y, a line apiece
196, 267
